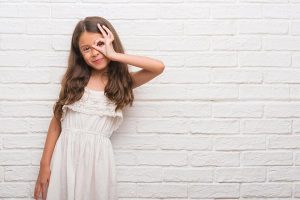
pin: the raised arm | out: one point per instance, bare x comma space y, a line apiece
150, 67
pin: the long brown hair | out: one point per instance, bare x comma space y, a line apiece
119, 85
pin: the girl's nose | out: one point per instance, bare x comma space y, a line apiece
94, 52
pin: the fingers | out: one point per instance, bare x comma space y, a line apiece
111, 35
44, 191
37, 191
102, 31
98, 40
40, 187
97, 48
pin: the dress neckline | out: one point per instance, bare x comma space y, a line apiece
95, 91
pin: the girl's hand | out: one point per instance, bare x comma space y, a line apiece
105, 43
42, 182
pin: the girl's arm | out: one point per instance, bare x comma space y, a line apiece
44, 173
52, 136
150, 67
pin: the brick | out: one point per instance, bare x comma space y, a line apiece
266, 190
240, 175
214, 190
240, 143
220, 159
266, 158
262, 126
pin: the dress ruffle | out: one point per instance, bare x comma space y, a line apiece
94, 105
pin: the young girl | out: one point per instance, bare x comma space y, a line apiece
96, 87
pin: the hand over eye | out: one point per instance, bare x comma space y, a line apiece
105, 44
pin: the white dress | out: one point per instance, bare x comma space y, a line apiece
82, 164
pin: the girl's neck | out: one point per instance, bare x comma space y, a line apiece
97, 78
98, 74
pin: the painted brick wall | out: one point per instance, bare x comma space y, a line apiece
221, 122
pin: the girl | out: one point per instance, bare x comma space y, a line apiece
96, 87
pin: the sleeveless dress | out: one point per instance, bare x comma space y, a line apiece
82, 165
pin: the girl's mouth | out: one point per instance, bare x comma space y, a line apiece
98, 61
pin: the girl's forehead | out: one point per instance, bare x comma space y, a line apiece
87, 38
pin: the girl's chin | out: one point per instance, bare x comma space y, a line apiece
98, 64
98, 67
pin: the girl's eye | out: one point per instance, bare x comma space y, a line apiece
85, 49
100, 43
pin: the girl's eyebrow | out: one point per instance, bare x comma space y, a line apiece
86, 44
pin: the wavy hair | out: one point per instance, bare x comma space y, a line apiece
119, 86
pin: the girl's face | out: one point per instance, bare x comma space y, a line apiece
92, 57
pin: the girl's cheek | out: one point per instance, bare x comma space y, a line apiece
86, 58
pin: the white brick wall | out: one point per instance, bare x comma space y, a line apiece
221, 122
